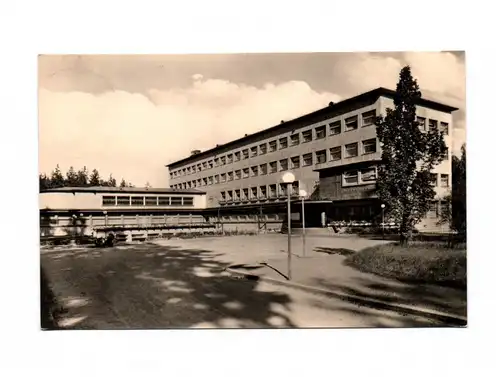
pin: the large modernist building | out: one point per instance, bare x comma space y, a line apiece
333, 153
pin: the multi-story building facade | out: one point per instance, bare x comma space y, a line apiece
333, 153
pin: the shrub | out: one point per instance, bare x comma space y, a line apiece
419, 263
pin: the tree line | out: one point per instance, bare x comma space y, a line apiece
80, 178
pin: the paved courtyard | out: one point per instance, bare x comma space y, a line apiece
183, 283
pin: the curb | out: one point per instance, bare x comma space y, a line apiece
447, 318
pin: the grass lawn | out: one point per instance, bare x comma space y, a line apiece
430, 263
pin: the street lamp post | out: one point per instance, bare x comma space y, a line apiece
289, 178
383, 221
303, 195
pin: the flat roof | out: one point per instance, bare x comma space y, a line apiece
125, 190
370, 95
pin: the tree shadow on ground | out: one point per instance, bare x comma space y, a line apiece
155, 287
334, 251
452, 301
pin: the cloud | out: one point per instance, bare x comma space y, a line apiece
100, 112
134, 135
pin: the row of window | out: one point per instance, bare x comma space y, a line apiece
442, 181
429, 124
334, 128
320, 157
125, 201
262, 192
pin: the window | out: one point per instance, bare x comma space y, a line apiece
263, 148
351, 150
109, 200
283, 143
284, 164
273, 167
137, 200
307, 159
335, 153
187, 201
198, 183
216, 179
335, 127
272, 146
445, 154
321, 156
199, 167
223, 195
443, 126
445, 209
204, 165
351, 177
262, 191
237, 194
229, 158
432, 124
205, 181
210, 164
175, 200
164, 201
244, 153
245, 194
282, 189
253, 191
216, 162
421, 123
237, 174
295, 162
263, 169
230, 195
369, 146
223, 160
432, 213
307, 136
294, 139
171, 175
351, 123
223, 177
320, 132
237, 156
445, 180
272, 191
368, 175
433, 179
254, 171
189, 170
295, 188
210, 180
368, 118
123, 200
230, 176
151, 200
253, 152
246, 172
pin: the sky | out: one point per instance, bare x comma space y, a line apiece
130, 115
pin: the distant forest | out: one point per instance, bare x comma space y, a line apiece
80, 178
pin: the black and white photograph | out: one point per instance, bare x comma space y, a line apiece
252, 190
